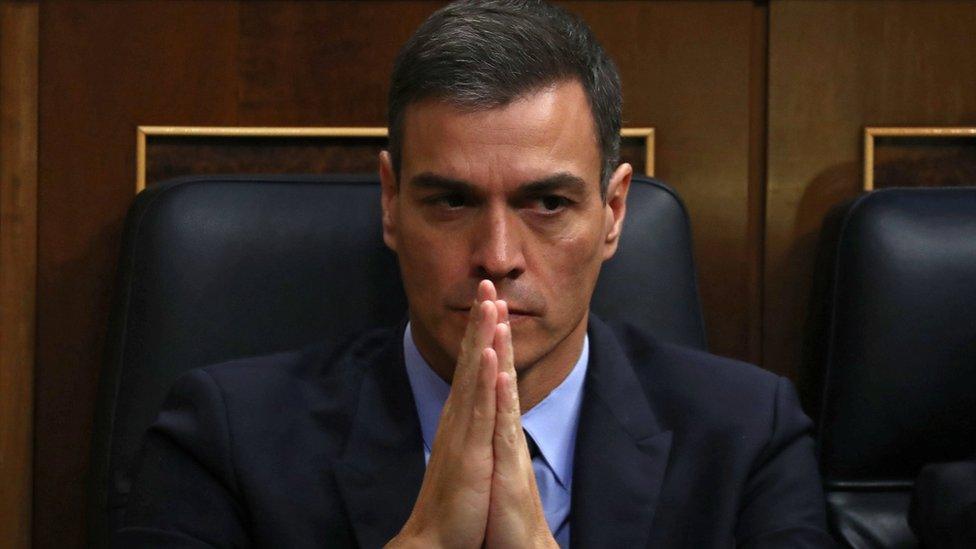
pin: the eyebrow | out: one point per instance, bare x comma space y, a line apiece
562, 181
432, 181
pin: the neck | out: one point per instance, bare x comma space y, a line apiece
537, 380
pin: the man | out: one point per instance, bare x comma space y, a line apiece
502, 414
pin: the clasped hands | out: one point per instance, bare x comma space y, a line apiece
479, 487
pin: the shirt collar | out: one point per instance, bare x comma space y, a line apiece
552, 422
429, 390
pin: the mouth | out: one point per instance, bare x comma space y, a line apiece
514, 314
516, 319
519, 314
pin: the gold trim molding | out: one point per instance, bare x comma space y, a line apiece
648, 135
144, 132
870, 133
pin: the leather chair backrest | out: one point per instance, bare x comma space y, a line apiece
220, 267
900, 377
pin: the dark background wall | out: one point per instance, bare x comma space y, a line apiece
758, 109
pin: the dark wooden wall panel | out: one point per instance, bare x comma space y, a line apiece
18, 265
321, 64
686, 71
171, 156
924, 161
834, 68
105, 68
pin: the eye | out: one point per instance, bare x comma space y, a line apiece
552, 203
451, 201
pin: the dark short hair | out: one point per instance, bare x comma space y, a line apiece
485, 54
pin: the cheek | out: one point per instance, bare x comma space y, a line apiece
567, 270
572, 259
431, 262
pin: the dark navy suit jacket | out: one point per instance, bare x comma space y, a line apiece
322, 448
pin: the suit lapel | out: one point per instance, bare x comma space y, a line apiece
621, 452
382, 467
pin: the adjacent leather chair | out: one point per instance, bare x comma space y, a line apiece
219, 267
900, 355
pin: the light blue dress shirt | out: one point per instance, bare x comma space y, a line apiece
551, 423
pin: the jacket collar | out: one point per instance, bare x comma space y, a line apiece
621, 452
382, 467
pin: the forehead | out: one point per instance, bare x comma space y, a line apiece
547, 131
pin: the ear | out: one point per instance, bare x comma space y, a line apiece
616, 208
390, 189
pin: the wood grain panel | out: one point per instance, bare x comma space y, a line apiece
18, 265
836, 67
321, 64
686, 70
919, 157
173, 156
106, 68
924, 162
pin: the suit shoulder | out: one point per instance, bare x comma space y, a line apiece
693, 385
329, 367
653, 357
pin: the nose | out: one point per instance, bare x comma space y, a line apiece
497, 245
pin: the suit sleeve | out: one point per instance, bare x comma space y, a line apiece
185, 493
783, 502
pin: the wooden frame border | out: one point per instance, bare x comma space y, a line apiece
648, 135
144, 132
870, 133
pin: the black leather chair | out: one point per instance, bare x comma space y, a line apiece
900, 354
219, 267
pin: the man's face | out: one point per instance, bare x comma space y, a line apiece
508, 194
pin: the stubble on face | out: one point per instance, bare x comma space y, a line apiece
511, 195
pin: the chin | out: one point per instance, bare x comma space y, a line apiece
529, 354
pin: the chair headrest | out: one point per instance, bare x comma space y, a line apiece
900, 388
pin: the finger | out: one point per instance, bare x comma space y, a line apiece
482, 424
515, 512
512, 458
478, 335
486, 294
474, 316
467, 367
502, 344
502, 307
486, 291
485, 330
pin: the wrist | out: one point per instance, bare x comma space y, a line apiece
406, 541
410, 537
546, 541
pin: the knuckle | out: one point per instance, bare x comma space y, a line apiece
479, 414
